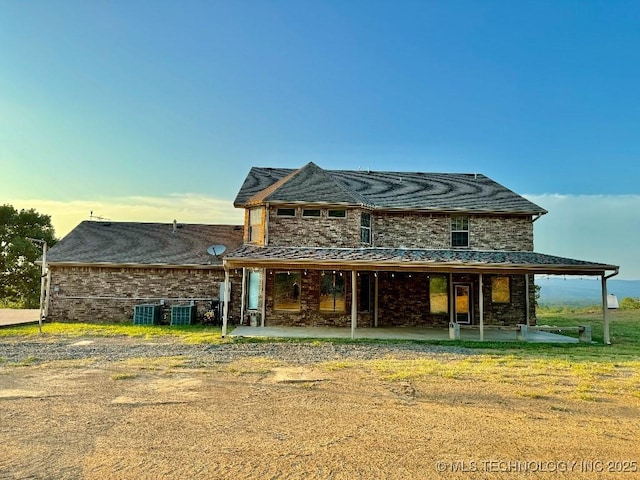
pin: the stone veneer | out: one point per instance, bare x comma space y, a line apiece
395, 230
109, 294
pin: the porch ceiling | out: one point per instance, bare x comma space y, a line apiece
399, 259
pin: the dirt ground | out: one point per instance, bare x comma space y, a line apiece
256, 418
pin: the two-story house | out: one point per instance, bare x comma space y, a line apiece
375, 249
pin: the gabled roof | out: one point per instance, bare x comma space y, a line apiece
145, 244
399, 259
382, 190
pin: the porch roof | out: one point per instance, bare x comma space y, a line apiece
411, 260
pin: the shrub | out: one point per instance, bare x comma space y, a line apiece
630, 303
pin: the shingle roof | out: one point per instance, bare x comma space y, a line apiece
382, 190
373, 258
144, 244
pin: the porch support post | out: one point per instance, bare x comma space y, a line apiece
527, 301
481, 308
605, 313
225, 304
375, 299
263, 312
451, 299
243, 295
354, 303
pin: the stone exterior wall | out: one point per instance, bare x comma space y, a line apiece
397, 230
403, 300
323, 231
433, 231
107, 294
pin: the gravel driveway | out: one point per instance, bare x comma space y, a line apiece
109, 349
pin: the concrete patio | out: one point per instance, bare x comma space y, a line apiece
400, 333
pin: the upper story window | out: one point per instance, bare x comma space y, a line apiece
255, 224
365, 228
460, 231
286, 212
311, 212
337, 213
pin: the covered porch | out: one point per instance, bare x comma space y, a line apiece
457, 290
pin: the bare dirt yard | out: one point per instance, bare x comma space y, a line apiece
399, 414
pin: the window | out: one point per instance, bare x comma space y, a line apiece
332, 292
364, 295
254, 290
460, 231
365, 228
337, 213
308, 212
286, 212
438, 294
500, 290
286, 294
255, 224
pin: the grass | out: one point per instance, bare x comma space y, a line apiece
194, 334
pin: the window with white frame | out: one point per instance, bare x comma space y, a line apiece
253, 290
459, 231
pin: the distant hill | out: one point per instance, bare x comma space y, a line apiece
583, 291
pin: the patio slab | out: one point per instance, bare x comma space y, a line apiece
400, 333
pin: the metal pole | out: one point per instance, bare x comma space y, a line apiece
43, 280
605, 316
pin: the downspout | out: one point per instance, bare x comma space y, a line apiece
605, 316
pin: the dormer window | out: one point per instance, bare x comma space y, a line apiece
365, 228
460, 231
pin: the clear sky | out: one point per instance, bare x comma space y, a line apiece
154, 110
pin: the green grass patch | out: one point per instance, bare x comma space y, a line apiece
186, 333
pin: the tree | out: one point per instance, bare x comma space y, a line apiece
19, 275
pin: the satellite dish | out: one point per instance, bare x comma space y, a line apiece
216, 250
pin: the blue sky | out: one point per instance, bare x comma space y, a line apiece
150, 110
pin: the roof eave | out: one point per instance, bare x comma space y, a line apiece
135, 265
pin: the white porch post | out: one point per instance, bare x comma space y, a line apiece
225, 305
354, 303
605, 315
527, 301
243, 294
481, 307
375, 299
263, 311
451, 299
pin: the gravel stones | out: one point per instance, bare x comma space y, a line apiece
110, 349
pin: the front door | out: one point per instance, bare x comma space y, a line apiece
462, 292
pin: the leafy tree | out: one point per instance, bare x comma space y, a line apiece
630, 303
19, 275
